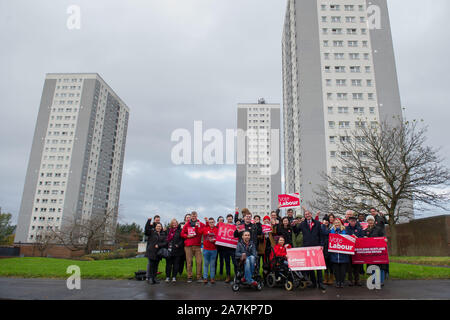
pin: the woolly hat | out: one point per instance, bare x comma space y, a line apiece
266, 218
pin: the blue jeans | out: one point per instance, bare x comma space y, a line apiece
209, 260
249, 268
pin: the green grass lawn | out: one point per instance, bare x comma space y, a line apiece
432, 261
125, 268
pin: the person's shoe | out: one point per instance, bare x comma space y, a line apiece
358, 283
312, 286
322, 287
336, 285
327, 278
189, 280
167, 279
155, 281
350, 284
213, 281
243, 280
205, 281
174, 279
254, 284
228, 280
201, 280
341, 285
158, 273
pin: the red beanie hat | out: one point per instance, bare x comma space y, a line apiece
266, 218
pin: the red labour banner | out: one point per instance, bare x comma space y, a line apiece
307, 258
364, 225
225, 236
289, 200
339, 243
371, 251
266, 228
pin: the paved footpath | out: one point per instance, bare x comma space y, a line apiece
56, 289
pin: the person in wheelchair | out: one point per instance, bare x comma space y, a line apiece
246, 257
280, 256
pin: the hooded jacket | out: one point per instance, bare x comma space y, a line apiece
195, 241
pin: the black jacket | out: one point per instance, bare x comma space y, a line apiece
254, 229
380, 221
357, 231
153, 238
285, 232
375, 232
313, 237
177, 243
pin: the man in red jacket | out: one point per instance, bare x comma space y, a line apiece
193, 239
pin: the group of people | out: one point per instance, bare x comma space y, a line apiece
259, 241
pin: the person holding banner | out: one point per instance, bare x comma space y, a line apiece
246, 255
228, 253
354, 270
327, 223
340, 261
187, 217
209, 233
193, 238
374, 231
266, 243
254, 230
312, 237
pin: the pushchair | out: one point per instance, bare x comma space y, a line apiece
239, 276
280, 274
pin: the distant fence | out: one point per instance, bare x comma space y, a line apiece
425, 237
9, 251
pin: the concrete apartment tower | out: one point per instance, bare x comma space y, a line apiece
76, 160
338, 68
258, 171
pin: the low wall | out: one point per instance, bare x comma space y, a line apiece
424, 237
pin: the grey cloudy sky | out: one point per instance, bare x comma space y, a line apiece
177, 61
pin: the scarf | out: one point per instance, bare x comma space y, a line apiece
171, 234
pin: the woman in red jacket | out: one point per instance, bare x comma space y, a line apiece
280, 249
209, 233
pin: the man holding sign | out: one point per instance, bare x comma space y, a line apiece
193, 238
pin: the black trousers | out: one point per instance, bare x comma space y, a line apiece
220, 258
181, 264
312, 277
329, 269
172, 266
340, 269
153, 268
228, 257
353, 272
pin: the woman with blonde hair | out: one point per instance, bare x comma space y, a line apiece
340, 261
176, 250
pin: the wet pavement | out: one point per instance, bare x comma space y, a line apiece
56, 289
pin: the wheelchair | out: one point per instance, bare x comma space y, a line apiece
239, 276
279, 274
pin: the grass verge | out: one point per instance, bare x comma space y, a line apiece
31, 267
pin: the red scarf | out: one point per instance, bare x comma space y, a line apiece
171, 234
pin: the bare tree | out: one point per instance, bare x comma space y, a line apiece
45, 238
387, 166
88, 233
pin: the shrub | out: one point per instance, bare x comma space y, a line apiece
117, 254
